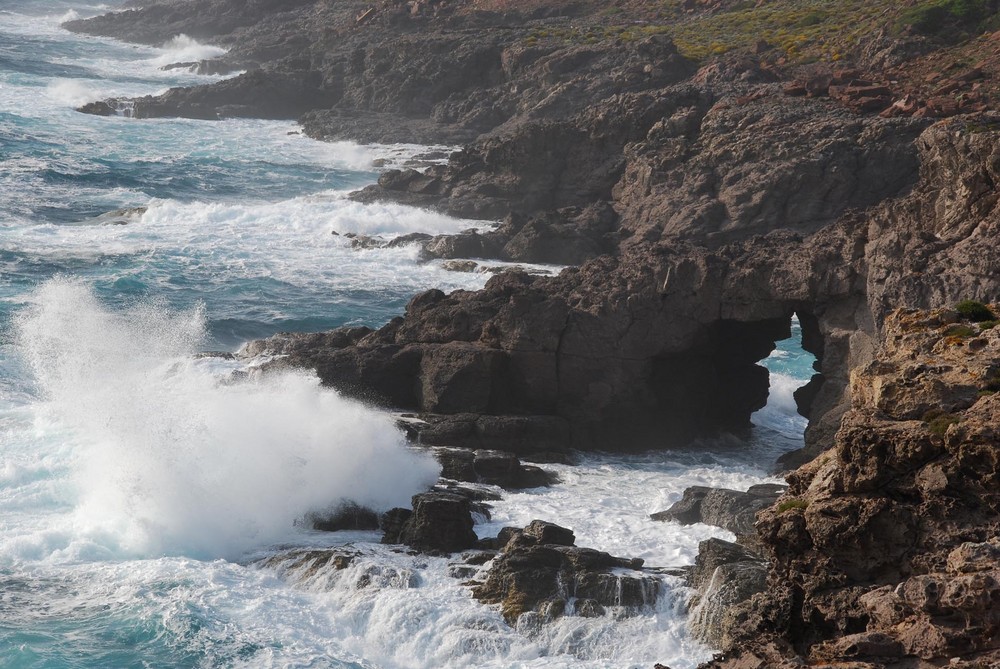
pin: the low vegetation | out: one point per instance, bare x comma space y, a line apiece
950, 18
976, 312
793, 503
938, 421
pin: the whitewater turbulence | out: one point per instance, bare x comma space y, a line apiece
183, 456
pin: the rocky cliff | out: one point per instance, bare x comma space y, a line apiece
706, 185
884, 551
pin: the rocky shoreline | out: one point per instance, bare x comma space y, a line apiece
701, 200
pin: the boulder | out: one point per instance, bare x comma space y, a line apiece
441, 522
346, 516
729, 509
492, 467
542, 580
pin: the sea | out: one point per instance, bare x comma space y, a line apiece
146, 488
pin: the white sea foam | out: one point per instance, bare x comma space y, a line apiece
184, 49
170, 460
73, 92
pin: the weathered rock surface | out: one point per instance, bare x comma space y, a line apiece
440, 522
541, 574
729, 509
725, 575
499, 468
884, 548
703, 211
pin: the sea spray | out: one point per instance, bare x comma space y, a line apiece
184, 49
171, 456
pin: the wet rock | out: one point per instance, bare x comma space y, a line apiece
529, 577
99, 108
492, 467
440, 522
470, 244
729, 509
725, 575
365, 241
122, 216
460, 265
347, 516
521, 435
549, 533
409, 238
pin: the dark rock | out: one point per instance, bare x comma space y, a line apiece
549, 533
440, 522
392, 522
460, 265
99, 108
347, 516
729, 509
712, 554
541, 577
469, 244
490, 467
409, 238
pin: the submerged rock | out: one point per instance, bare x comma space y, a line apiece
122, 216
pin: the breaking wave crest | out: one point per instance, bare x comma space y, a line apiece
175, 455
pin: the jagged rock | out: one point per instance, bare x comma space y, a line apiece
549, 533
98, 108
885, 546
322, 568
305, 564
729, 509
491, 467
347, 516
529, 576
440, 522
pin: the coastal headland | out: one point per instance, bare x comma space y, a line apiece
706, 169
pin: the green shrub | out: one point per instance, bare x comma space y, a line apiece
974, 311
988, 325
789, 504
960, 331
938, 421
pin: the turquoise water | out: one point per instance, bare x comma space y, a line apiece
138, 483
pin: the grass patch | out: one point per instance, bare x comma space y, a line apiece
959, 331
938, 421
976, 312
790, 504
802, 30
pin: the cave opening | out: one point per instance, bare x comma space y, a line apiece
794, 381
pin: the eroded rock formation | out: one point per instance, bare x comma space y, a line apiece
884, 547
